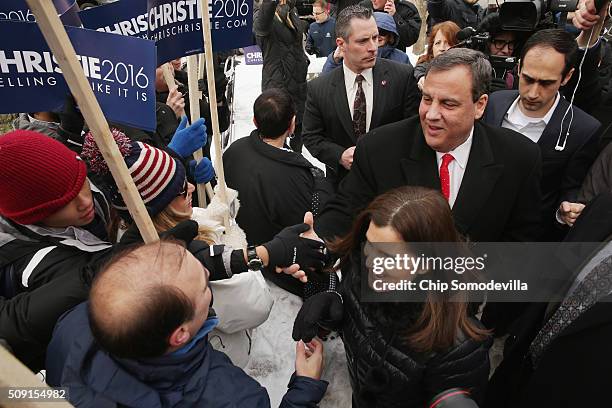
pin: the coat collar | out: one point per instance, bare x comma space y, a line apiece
481, 175
276, 154
505, 99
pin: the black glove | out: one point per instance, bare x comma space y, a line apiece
71, 121
184, 231
288, 248
323, 309
497, 84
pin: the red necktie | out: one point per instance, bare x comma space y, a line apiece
445, 175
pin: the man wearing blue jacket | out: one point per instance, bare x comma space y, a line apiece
321, 38
142, 342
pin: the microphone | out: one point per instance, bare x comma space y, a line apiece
465, 33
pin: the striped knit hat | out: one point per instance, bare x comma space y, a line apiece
158, 176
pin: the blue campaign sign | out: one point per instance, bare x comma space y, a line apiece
176, 26
120, 70
253, 55
18, 10
126, 17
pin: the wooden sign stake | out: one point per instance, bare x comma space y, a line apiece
212, 97
64, 53
194, 110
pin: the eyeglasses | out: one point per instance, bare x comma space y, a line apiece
500, 44
319, 13
184, 190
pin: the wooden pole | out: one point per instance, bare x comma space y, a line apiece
168, 71
212, 97
194, 110
64, 53
14, 375
419, 46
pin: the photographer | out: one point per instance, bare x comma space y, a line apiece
501, 46
280, 35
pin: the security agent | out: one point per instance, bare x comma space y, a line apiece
566, 135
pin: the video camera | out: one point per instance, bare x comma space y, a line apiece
478, 39
525, 15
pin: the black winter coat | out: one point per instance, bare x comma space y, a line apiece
457, 11
574, 369
285, 64
377, 359
275, 187
43, 273
408, 23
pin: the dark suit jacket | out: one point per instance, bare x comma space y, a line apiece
562, 171
328, 128
499, 195
574, 370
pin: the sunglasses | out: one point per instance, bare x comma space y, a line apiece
500, 44
184, 190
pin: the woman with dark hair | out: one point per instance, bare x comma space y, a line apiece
442, 37
401, 354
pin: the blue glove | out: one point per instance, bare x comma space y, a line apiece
187, 140
203, 171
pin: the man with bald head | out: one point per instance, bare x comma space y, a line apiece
141, 341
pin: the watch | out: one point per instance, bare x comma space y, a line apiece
254, 262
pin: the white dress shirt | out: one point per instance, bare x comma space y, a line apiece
533, 128
351, 90
456, 168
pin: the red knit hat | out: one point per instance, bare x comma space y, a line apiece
38, 176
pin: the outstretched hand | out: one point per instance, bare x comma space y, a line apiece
324, 308
295, 271
293, 246
310, 234
309, 359
188, 139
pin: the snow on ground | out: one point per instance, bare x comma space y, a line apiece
273, 354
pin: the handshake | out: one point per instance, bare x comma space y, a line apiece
298, 250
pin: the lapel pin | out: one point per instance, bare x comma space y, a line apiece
383, 82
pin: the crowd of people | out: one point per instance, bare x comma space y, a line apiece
507, 143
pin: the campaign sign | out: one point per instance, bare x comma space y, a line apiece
176, 26
120, 70
127, 17
18, 10
253, 55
